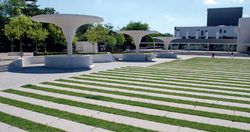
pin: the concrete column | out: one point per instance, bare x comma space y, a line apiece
206, 37
217, 35
187, 35
177, 34
69, 34
197, 35
137, 43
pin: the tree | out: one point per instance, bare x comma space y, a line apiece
55, 38
10, 34
136, 26
120, 40
161, 35
110, 41
11, 8
37, 34
18, 27
96, 34
48, 10
80, 33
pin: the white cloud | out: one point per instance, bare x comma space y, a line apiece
246, 15
210, 2
169, 18
213, 2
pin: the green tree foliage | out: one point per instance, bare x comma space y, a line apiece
18, 28
11, 8
48, 10
37, 34
136, 26
161, 35
120, 41
14, 8
96, 34
110, 41
31, 9
80, 33
56, 39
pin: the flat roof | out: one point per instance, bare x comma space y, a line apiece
206, 41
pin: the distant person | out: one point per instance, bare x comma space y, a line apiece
213, 55
232, 54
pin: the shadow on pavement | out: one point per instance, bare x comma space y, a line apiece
43, 70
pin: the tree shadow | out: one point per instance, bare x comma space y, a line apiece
44, 70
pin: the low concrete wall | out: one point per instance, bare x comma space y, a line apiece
117, 57
19, 53
166, 55
33, 60
28, 61
14, 53
138, 57
68, 62
102, 58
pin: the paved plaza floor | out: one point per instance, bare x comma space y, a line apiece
17, 78
197, 94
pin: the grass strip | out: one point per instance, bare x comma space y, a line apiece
151, 97
73, 117
141, 104
25, 124
142, 90
174, 76
167, 81
132, 83
175, 71
161, 72
208, 63
184, 77
184, 80
191, 70
160, 119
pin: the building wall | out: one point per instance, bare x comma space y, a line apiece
86, 47
202, 32
244, 35
224, 16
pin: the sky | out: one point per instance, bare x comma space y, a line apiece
161, 15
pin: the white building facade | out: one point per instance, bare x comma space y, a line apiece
216, 38
203, 32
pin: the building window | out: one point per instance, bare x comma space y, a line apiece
202, 32
225, 31
220, 30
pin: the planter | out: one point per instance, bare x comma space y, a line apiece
68, 62
102, 58
166, 55
138, 57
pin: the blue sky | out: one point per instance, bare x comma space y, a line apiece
161, 15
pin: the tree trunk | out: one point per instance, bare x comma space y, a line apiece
21, 48
11, 46
93, 48
45, 46
36, 47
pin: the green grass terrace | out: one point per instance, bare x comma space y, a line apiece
199, 94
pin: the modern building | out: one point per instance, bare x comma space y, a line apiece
224, 16
220, 34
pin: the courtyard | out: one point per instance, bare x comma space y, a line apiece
197, 94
